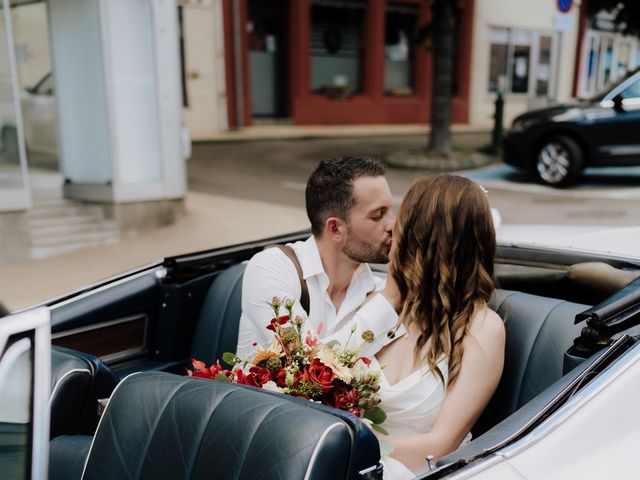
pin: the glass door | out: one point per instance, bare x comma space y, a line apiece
14, 184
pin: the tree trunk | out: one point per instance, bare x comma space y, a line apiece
443, 21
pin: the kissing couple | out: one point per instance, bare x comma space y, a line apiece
428, 321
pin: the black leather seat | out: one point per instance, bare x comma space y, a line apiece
78, 380
159, 425
539, 330
217, 326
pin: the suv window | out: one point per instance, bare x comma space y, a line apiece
632, 91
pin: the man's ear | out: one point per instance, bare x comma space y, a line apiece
335, 229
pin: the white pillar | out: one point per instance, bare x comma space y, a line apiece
117, 75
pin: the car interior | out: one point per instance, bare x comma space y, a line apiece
130, 338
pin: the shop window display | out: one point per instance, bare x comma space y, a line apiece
337, 30
399, 53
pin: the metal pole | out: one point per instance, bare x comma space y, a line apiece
498, 119
237, 63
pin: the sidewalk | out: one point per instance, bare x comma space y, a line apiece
287, 132
210, 221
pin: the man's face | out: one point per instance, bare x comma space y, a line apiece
370, 221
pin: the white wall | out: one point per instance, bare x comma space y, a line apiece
117, 74
525, 14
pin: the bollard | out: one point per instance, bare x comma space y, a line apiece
497, 123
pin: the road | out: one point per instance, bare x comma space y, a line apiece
276, 171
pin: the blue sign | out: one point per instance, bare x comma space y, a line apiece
565, 5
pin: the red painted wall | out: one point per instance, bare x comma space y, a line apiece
369, 107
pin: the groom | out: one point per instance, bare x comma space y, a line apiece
348, 203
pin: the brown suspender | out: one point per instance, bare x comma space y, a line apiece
304, 296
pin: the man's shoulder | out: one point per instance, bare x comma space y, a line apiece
271, 257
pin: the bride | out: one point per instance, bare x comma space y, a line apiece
447, 356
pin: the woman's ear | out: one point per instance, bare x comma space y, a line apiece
335, 229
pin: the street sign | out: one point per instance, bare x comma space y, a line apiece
564, 5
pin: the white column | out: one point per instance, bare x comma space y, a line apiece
117, 75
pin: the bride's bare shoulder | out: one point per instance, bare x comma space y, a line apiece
487, 328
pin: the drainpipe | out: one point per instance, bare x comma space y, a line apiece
237, 63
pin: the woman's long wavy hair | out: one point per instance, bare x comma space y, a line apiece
443, 264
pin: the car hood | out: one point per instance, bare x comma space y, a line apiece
614, 241
559, 112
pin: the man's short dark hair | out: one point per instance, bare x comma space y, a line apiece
330, 187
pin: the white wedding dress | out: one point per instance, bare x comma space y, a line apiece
411, 406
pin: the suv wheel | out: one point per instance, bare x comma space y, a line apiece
558, 161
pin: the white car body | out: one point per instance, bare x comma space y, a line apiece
621, 242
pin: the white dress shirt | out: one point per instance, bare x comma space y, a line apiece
271, 273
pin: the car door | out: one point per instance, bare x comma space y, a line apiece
25, 356
615, 125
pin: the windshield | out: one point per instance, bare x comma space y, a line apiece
612, 86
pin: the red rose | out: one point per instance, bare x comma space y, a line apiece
258, 376
283, 319
319, 374
281, 378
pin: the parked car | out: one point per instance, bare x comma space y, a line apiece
555, 144
566, 405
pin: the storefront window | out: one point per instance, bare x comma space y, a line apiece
522, 62
543, 66
607, 56
401, 24
337, 30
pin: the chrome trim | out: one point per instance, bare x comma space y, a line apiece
56, 387
38, 320
123, 355
92, 289
97, 326
314, 455
161, 273
104, 414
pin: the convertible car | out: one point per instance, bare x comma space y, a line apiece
566, 406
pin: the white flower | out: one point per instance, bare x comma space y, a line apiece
271, 386
360, 370
329, 359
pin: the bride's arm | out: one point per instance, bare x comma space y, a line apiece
480, 372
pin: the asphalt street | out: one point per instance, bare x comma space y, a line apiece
275, 171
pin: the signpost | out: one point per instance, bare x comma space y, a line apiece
564, 5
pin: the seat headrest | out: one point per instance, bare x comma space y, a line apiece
159, 425
217, 327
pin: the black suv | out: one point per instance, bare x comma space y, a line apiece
556, 143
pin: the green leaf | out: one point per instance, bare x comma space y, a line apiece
230, 358
376, 415
221, 378
379, 429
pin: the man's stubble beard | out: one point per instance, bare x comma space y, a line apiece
362, 252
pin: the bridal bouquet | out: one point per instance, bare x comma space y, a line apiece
297, 364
